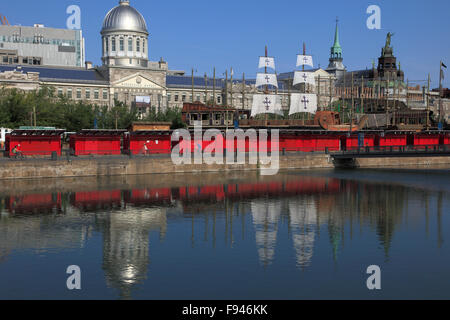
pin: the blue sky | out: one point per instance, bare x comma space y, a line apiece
202, 34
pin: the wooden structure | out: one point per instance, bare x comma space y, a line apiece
213, 117
97, 142
150, 126
147, 142
35, 142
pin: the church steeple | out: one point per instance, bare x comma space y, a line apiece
336, 49
336, 66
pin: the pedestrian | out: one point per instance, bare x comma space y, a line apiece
146, 148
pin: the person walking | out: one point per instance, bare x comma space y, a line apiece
146, 151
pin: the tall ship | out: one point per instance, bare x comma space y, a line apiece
267, 102
303, 102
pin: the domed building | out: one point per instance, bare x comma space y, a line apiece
125, 37
132, 77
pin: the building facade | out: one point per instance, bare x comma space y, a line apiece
41, 46
34, 57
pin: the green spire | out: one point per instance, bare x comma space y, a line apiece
336, 50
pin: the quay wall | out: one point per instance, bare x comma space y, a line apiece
104, 166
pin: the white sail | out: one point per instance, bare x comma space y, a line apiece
266, 103
265, 79
304, 61
267, 62
303, 102
304, 77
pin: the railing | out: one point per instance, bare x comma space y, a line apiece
393, 151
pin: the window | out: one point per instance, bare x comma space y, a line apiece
113, 44
183, 98
198, 97
105, 94
143, 46
88, 93
5, 59
219, 99
25, 60
78, 93
69, 93
169, 97
190, 98
130, 45
96, 94
138, 45
176, 98
116, 95
121, 42
107, 45
60, 92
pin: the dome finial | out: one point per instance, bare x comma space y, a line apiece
124, 2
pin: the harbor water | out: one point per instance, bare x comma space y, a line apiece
296, 235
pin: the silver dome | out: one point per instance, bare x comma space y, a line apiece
124, 18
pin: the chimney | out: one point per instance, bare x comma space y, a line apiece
88, 65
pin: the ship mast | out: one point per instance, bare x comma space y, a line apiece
267, 87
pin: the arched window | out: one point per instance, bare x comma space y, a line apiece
143, 46
113, 44
138, 45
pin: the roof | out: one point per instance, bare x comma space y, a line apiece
98, 132
68, 75
184, 82
38, 132
124, 18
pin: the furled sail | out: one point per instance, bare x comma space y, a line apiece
304, 77
303, 102
266, 103
267, 62
304, 61
266, 79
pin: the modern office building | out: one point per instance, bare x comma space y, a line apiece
41, 46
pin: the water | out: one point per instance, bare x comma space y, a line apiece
297, 235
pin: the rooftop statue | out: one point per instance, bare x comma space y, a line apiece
388, 39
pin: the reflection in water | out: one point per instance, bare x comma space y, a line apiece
266, 215
303, 223
126, 217
126, 245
